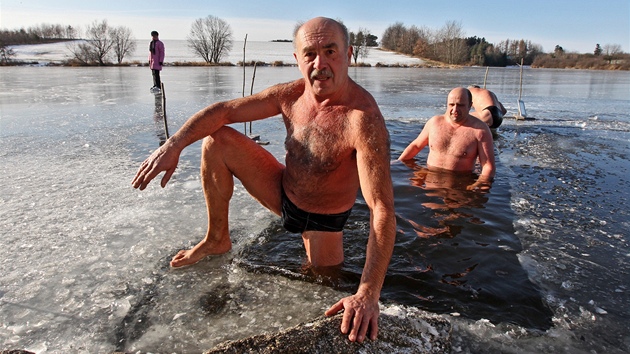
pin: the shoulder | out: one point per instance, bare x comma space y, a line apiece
285, 90
365, 117
361, 98
435, 120
362, 106
479, 126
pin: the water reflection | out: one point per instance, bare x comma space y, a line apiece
452, 187
446, 193
455, 250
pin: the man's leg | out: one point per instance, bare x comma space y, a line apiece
225, 155
323, 249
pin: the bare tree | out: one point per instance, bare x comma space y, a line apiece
210, 38
6, 53
99, 39
392, 36
81, 52
359, 43
612, 52
408, 40
422, 45
123, 42
452, 44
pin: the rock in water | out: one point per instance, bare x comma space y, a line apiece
401, 330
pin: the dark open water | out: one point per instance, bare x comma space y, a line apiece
539, 263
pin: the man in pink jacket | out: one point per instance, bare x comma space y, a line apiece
156, 59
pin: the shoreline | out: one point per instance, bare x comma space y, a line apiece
68, 63
179, 54
279, 53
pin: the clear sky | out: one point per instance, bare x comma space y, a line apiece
576, 25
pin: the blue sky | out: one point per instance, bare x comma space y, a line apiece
575, 25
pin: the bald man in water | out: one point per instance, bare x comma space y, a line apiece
336, 142
456, 140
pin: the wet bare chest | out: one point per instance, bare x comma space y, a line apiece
454, 142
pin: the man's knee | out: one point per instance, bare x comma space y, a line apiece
221, 137
324, 248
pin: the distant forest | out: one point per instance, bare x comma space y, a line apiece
44, 33
449, 45
446, 45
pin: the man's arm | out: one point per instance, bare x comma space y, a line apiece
204, 123
486, 154
361, 311
485, 148
417, 144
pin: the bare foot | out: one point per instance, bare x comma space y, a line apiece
199, 252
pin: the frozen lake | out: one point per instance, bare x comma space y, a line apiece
539, 264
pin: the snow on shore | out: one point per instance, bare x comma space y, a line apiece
178, 51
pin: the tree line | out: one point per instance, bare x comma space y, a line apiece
211, 39
101, 44
449, 45
38, 34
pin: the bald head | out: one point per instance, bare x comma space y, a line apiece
460, 92
321, 23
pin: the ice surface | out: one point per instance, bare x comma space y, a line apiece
84, 257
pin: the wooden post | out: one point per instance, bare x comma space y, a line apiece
251, 92
485, 77
164, 110
244, 44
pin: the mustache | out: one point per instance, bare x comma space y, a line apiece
322, 74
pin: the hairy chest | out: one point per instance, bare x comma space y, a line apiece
319, 142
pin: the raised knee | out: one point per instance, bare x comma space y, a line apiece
218, 138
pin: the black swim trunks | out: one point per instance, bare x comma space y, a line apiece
497, 116
297, 220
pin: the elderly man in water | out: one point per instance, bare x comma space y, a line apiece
336, 142
456, 140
